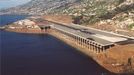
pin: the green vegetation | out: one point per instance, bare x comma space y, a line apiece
89, 11
131, 26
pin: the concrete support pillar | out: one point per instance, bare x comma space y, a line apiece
103, 49
91, 46
79, 40
83, 42
88, 45
99, 48
76, 39
94, 48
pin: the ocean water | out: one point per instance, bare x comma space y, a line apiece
10, 18
4, 4
30, 54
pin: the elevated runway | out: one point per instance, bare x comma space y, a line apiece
92, 39
98, 36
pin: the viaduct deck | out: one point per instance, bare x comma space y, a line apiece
93, 39
100, 37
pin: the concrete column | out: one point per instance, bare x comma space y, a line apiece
82, 42
93, 47
77, 38
99, 47
103, 49
88, 45
96, 48
85, 43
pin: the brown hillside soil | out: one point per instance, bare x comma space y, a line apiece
119, 59
106, 27
113, 28
59, 18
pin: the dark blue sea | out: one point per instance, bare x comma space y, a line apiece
34, 54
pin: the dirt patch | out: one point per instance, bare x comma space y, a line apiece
119, 59
59, 18
103, 27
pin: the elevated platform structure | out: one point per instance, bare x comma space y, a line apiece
93, 39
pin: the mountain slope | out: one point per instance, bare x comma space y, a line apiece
39, 7
111, 15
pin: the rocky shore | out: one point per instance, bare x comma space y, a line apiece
2, 28
23, 26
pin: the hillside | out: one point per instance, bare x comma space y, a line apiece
114, 15
111, 15
39, 7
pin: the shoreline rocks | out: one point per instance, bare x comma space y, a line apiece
2, 27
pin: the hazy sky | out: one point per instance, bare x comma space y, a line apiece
11, 3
